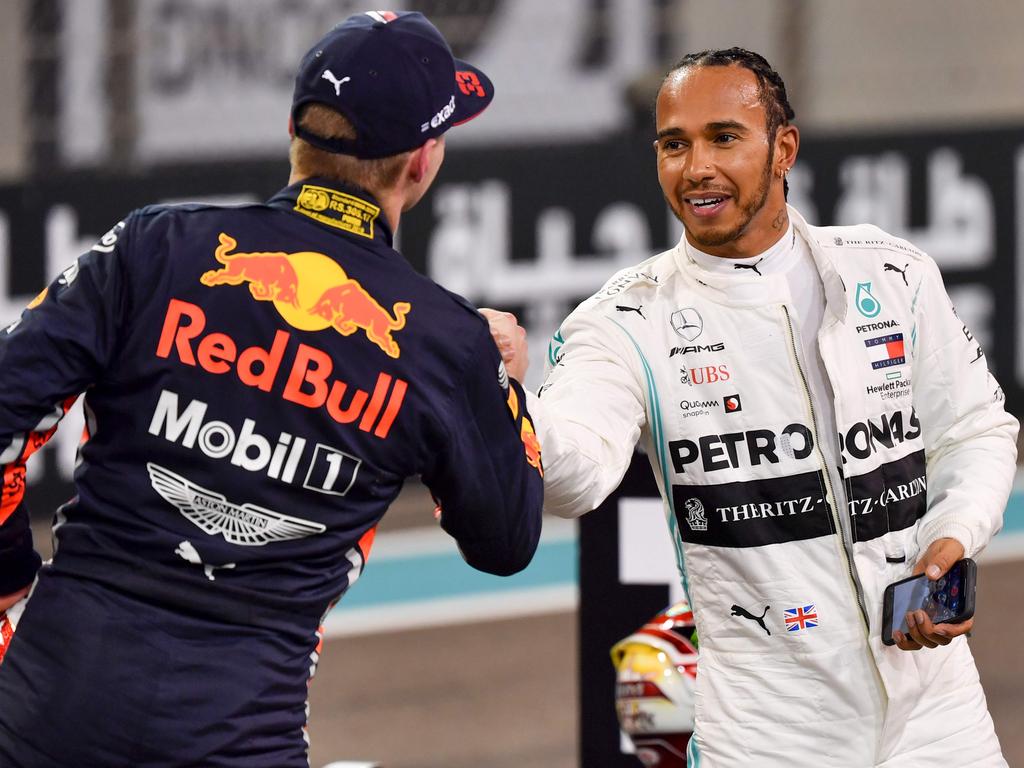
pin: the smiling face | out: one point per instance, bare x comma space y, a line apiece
718, 166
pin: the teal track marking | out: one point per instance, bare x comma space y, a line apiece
444, 574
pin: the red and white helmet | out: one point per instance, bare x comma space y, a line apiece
657, 667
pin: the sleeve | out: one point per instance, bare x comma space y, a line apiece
970, 439
486, 474
589, 413
58, 347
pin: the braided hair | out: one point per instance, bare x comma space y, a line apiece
771, 89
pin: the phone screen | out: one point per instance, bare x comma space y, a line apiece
942, 600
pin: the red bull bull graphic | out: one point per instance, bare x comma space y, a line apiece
270, 276
348, 307
309, 381
310, 291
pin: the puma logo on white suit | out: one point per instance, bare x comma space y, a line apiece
329, 76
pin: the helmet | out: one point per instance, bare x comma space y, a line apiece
656, 667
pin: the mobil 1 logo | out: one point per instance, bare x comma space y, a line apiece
331, 471
326, 469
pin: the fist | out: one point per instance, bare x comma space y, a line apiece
510, 337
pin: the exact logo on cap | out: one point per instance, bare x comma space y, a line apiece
732, 404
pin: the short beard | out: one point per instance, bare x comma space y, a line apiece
715, 239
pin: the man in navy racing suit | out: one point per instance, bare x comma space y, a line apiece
258, 383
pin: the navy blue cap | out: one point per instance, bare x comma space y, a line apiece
394, 77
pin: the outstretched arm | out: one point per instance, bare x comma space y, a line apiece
589, 412
487, 476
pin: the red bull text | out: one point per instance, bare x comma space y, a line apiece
309, 381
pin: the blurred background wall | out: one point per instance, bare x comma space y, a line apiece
912, 117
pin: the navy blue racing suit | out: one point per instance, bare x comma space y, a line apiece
258, 382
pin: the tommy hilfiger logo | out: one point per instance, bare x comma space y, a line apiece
886, 351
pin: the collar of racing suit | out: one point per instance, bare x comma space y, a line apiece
745, 289
342, 208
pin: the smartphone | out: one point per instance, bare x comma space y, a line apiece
949, 600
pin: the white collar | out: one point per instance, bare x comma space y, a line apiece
777, 259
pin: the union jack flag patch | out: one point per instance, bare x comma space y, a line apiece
800, 618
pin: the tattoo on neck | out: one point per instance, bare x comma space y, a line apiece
780, 219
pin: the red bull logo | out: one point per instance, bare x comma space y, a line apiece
310, 291
270, 276
306, 379
348, 308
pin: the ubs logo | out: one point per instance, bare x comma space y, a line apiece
688, 323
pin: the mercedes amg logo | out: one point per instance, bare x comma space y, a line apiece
688, 323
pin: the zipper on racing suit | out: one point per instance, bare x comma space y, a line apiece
845, 535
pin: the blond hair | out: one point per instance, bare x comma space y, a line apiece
372, 175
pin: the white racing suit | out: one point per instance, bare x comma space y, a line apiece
705, 370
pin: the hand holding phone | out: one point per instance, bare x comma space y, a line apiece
921, 612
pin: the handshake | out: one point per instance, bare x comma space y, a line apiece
510, 338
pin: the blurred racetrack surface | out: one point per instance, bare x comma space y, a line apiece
503, 694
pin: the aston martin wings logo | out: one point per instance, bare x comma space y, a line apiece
244, 524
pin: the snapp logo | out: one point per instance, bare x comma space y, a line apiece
310, 291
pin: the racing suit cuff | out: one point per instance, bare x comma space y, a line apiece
18, 559
18, 569
949, 527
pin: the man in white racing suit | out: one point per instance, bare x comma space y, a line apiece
820, 424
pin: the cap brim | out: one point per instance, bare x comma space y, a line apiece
473, 92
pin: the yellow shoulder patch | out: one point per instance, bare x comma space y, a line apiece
337, 209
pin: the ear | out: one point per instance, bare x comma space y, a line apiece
291, 127
787, 144
419, 162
